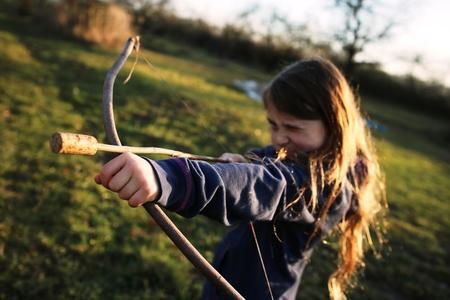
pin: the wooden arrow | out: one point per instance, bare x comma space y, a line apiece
81, 144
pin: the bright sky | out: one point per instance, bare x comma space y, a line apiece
422, 30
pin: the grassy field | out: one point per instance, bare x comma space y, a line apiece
62, 237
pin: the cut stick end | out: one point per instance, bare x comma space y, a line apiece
72, 143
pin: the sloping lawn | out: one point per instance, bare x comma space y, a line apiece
63, 237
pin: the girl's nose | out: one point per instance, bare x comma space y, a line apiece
280, 139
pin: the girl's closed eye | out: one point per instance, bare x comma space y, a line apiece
272, 124
294, 128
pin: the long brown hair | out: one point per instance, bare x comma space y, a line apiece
316, 89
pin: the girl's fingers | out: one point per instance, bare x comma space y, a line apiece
225, 156
233, 157
138, 198
131, 177
120, 179
129, 189
98, 179
112, 167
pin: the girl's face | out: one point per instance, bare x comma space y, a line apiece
294, 134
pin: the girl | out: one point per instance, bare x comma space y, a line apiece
320, 173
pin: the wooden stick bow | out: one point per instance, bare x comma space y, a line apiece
155, 211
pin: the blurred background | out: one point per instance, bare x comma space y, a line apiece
196, 88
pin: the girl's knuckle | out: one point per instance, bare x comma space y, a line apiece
133, 202
147, 190
112, 186
123, 195
142, 182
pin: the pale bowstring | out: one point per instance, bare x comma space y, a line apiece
249, 156
135, 48
201, 123
261, 260
188, 108
281, 155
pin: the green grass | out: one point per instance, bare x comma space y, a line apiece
61, 236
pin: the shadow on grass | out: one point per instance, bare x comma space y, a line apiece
61, 241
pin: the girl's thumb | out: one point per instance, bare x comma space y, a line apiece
97, 179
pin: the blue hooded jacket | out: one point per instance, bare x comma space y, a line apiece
259, 192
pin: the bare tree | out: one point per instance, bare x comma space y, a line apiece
361, 27
297, 35
243, 19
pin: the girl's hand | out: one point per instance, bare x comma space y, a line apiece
233, 157
131, 177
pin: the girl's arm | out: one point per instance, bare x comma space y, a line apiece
228, 193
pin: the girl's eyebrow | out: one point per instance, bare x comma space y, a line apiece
285, 124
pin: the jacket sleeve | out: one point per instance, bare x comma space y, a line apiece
230, 192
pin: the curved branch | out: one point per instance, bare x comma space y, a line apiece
108, 86
155, 211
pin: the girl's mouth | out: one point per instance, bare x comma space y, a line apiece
282, 153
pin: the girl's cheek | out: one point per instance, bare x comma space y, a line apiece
300, 141
304, 144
